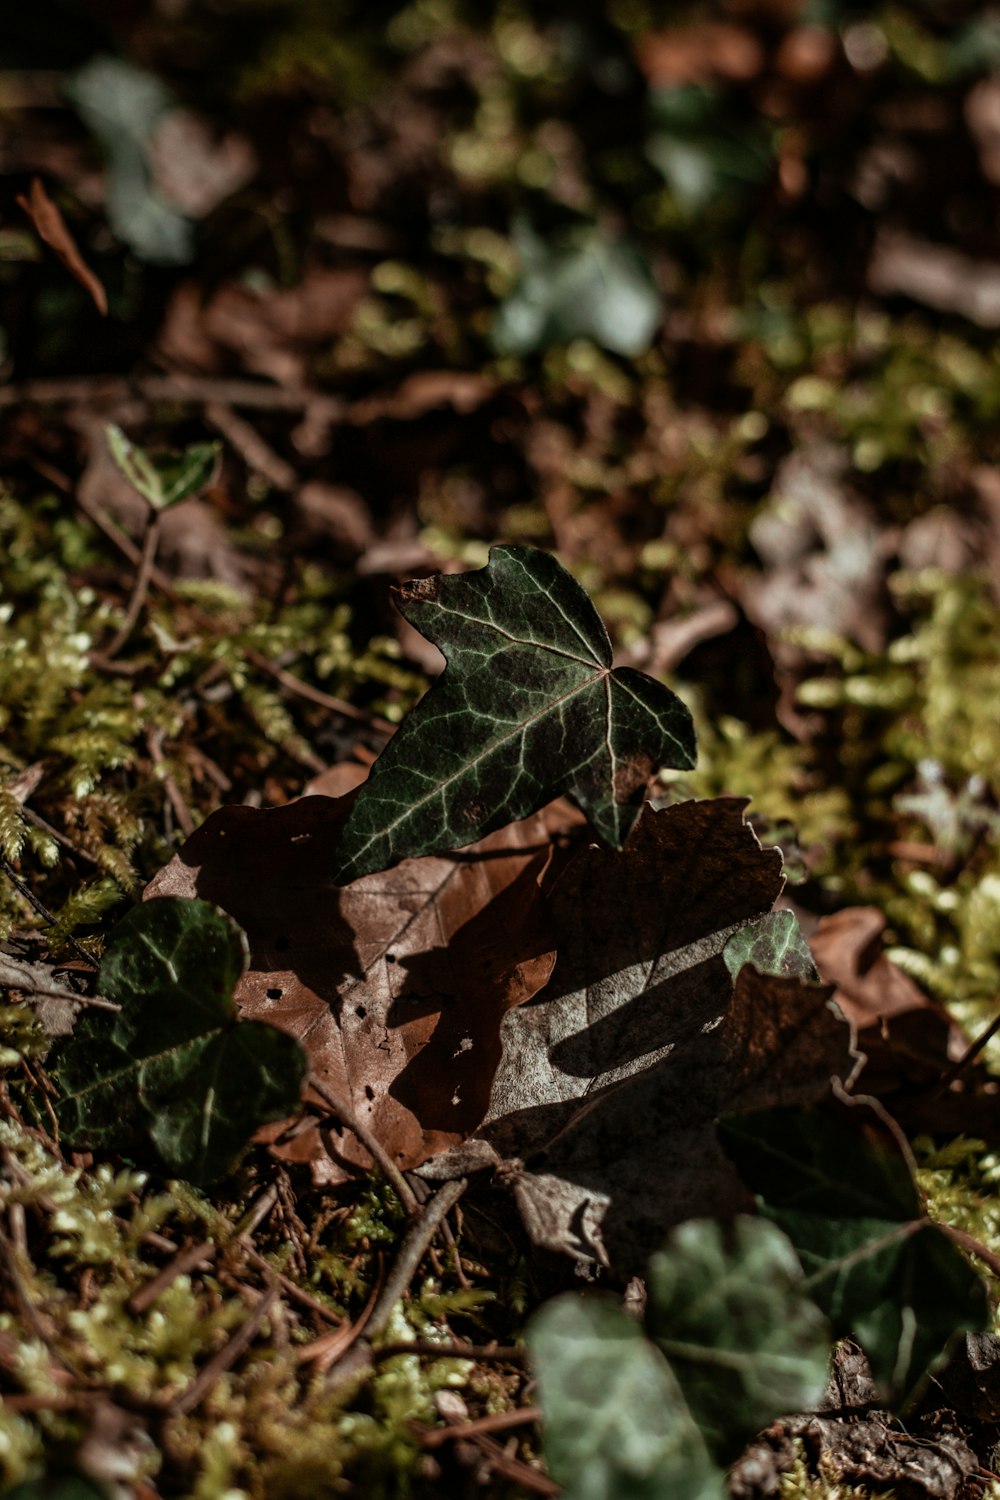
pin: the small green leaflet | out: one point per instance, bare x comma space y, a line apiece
773, 944
728, 1306
616, 1426
175, 1067
529, 707
842, 1191
162, 479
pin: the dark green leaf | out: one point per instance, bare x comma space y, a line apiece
615, 1423
528, 707
728, 1307
588, 287
874, 1263
175, 1065
162, 479
774, 945
56, 1487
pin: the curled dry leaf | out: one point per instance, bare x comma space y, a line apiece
909, 1040
396, 985
610, 1081
51, 228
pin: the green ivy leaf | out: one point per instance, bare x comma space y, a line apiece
874, 1262
162, 479
586, 286
175, 1065
728, 1307
528, 707
616, 1426
773, 944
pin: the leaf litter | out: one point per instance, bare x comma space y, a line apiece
431, 998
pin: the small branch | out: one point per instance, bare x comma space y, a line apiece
193, 390
43, 911
34, 981
345, 1113
154, 739
412, 1253
500, 1354
139, 591
226, 1357
501, 1421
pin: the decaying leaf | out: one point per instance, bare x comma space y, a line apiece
528, 707
396, 985
610, 1081
51, 228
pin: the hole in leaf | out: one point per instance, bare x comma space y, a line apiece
359, 1010
369, 1091
274, 994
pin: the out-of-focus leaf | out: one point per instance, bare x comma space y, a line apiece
57, 1487
874, 1262
773, 944
616, 1426
162, 479
728, 1306
528, 707
395, 985
588, 286
52, 229
175, 1065
703, 155
121, 104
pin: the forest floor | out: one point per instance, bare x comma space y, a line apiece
702, 299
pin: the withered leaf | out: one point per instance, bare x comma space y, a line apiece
604, 1100
396, 985
51, 228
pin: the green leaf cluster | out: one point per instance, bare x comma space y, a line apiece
176, 1067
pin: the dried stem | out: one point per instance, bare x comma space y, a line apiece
345, 1113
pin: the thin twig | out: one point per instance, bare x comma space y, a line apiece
24, 978
226, 1357
345, 1113
500, 1354
194, 390
970, 1054
140, 589
412, 1253
249, 444
154, 739
41, 910
500, 1421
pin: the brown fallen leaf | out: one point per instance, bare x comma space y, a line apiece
601, 1114
396, 985
909, 1040
51, 228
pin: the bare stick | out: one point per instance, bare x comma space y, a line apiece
412, 1253
499, 1422
344, 1112
139, 590
226, 1357
42, 911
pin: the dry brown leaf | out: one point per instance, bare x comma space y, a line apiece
50, 226
936, 276
603, 1106
909, 1040
699, 53
396, 985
